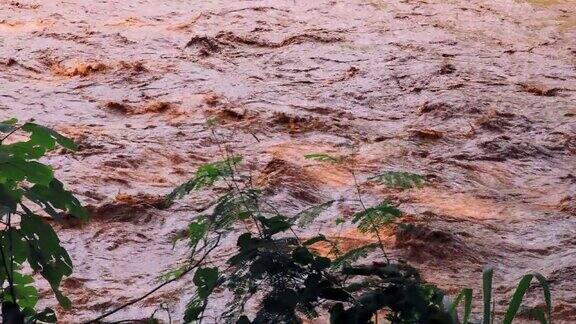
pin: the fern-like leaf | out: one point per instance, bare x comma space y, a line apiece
235, 206
400, 180
205, 176
353, 255
323, 157
307, 216
374, 218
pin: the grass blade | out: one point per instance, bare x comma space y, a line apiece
465, 293
487, 276
517, 298
547, 295
539, 315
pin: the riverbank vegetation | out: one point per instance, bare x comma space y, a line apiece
285, 277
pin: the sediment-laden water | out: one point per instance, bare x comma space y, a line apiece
478, 96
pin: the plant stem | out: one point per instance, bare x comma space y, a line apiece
232, 184
9, 267
160, 286
9, 134
374, 227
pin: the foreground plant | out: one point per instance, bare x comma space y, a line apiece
27, 240
285, 273
286, 276
290, 280
465, 296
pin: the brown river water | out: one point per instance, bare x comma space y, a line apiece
478, 96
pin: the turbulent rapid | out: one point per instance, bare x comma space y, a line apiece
477, 96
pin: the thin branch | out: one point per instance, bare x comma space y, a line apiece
233, 183
160, 286
11, 132
374, 227
11, 254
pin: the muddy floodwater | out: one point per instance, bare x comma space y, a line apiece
477, 96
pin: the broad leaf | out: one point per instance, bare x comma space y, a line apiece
26, 293
45, 253
274, 225
54, 197
205, 280
46, 316
193, 310
10, 196
47, 137
8, 125
196, 231
18, 169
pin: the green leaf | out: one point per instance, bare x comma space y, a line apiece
316, 239
26, 150
8, 125
374, 218
193, 310
37, 172
539, 315
205, 176
401, 180
465, 294
321, 263
323, 157
46, 316
274, 225
54, 197
26, 294
10, 196
196, 231
234, 206
173, 273
62, 300
243, 320
353, 255
18, 169
302, 256
205, 280
307, 216
547, 295
516, 300
518, 296
47, 137
45, 253
13, 241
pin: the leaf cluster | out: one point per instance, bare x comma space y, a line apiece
290, 280
24, 180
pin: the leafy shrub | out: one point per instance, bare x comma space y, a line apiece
26, 238
271, 266
290, 280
